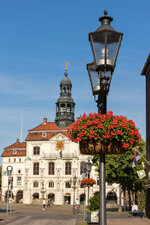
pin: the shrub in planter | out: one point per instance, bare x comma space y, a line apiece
94, 203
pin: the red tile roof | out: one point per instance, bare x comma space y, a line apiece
16, 149
39, 137
50, 126
10, 153
17, 145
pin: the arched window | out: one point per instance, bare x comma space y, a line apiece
51, 184
36, 150
35, 195
111, 196
68, 185
57, 108
51, 169
69, 108
36, 169
51, 196
68, 168
62, 108
35, 184
67, 90
64, 90
82, 167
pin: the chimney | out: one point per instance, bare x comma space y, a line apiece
17, 140
44, 120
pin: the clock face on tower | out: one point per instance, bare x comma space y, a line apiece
59, 145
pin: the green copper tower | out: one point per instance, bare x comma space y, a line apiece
65, 104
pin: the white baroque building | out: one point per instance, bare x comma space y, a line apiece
45, 164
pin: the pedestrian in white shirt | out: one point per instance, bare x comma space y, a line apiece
134, 209
44, 203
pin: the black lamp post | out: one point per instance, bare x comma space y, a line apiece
88, 169
105, 43
9, 173
74, 181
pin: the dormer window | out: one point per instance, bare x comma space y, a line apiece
44, 134
14, 152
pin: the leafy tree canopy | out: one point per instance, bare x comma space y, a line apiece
119, 169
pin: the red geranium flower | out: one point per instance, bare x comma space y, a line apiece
105, 127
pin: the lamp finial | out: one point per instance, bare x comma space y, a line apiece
105, 12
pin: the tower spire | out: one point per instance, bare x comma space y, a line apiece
65, 104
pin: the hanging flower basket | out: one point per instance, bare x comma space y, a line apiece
89, 182
92, 147
104, 134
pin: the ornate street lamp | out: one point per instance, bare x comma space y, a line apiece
105, 43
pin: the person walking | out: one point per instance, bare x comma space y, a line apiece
77, 203
44, 203
134, 209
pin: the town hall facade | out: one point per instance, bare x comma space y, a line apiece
46, 163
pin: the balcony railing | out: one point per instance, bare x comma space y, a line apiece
62, 155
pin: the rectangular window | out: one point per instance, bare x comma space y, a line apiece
51, 169
36, 169
68, 168
18, 180
36, 150
14, 160
83, 167
35, 184
51, 184
19, 159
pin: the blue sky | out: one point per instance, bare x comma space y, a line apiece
37, 37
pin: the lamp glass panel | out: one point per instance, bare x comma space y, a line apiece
113, 41
105, 44
95, 81
99, 45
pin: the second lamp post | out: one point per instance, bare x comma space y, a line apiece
88, 169
105, 43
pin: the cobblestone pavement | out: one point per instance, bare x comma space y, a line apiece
59, 215
128, 221
27, 215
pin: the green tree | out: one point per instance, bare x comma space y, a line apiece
119, 170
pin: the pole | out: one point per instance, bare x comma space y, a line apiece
73, 197
8, 193
88, 189
84, 202
101, 103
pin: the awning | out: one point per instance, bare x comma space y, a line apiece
67, 195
